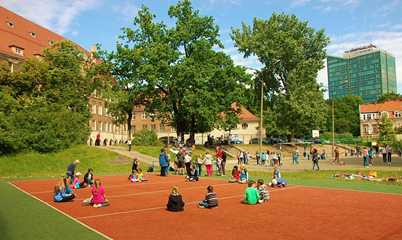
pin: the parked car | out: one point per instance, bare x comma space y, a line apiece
317, 141
257, 141
236, 142
172, 140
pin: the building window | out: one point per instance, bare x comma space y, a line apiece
100, 110
106, 112
172, 129
106, 127
50, 41
10, 24
144, 126
100, 125
133, 116
93, 108
124, 127
153, 127
363, 116
244, 126
161, 128
32, 34
397, 114
18, 51
132, 129
94, 125
143, 115
234, 126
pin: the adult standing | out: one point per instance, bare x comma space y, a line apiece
315, 159
180, 159
365, 157
296, 157
223, 164
97, 143
187, 160
208, 163
71, 170
257, 156
168, 155
336, 156
218, 156
384, 153
389, 153
129, 144
163, 162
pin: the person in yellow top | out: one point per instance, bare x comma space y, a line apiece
141, 175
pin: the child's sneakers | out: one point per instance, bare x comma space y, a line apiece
97, 205
200, 206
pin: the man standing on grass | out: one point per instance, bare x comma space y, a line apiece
129, 144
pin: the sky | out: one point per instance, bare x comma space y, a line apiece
346, 22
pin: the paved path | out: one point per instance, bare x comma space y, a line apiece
352, 163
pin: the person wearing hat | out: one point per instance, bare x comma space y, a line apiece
70, 171
135, 164
88, 179
76, 182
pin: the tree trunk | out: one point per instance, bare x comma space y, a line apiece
130, 115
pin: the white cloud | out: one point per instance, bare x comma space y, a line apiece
55, 15
74, 33
396, 27
127, 11
338, 5
298, 3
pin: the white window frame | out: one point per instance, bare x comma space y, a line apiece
100, 125
94, 125
244, 126
161, 127
143, 116
133, 116
153, 127
100, 112
93, 108
144, 126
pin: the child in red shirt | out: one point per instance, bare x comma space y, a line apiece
234, 177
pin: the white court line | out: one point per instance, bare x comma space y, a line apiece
74, 219
130, 184
159, 191
163, 207
352, 190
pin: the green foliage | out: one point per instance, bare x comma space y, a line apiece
386, 128
389, 95
292, 53
146, 138
44, 104
347, 117
174, 72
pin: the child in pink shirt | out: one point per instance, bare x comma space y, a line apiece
98, 195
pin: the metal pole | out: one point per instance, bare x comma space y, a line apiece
333, 127
262, 110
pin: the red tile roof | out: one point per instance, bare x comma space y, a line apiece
19, 35
388, 106
245, 114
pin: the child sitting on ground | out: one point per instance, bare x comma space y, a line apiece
251, 195
262, 191
277, 180
234, 177
175, 203
210, 200
76, 182
88, 179
134, 177
193, 174
141, 175
243, 174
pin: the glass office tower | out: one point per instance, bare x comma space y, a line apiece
366, 71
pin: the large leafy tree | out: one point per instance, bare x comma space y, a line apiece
44, 104
386, 128
347, 118
175, 72
388, 96
291, 53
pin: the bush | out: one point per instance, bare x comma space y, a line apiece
146, 138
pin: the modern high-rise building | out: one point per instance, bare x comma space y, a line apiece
366, 71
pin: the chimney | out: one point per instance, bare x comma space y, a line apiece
93, 48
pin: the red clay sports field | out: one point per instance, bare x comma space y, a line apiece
137, 210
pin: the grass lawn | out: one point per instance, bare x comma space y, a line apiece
23, 217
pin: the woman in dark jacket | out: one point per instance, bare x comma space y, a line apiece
175, 203
163, 162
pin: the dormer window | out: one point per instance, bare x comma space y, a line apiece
10, 24
50, 41
32, 34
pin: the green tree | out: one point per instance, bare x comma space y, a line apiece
386, 128
347, 117
292, 53
175, 73
389, 95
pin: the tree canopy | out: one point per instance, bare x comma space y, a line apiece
389, 95
44, 104
291, 53
176, 73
